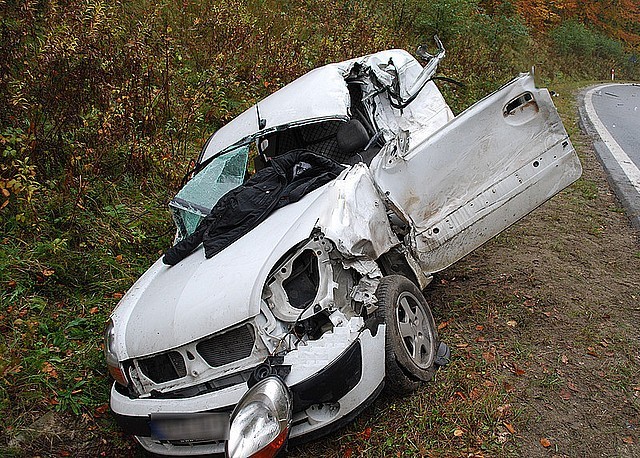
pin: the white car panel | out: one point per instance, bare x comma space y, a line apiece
320, 94
479, 174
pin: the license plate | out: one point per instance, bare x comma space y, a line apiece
190, 426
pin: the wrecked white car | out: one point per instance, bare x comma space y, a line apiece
304, 238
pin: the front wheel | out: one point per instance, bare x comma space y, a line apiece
411, 336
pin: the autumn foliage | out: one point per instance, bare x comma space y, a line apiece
618, 19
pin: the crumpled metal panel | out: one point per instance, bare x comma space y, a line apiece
423, 116
198, 297
319, 94
480, 173
358, 223
322, 94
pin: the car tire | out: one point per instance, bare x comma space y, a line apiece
411, 336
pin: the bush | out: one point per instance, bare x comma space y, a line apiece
574, 38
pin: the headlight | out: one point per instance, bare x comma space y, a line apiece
115, 368
261, 420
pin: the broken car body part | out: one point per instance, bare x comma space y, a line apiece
321, 284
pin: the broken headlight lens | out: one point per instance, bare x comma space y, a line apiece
261, 420
113, 364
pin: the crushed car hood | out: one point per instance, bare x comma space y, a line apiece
175, 305
172, 306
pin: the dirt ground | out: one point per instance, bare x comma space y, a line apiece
574, 264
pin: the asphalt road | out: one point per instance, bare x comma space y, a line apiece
611, 115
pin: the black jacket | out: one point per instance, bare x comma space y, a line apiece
287, 179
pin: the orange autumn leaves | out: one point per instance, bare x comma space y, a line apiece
620, 19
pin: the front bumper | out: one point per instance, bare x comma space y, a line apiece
324, 399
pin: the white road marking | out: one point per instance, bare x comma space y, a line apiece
628, 167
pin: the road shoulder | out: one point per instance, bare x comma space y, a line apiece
616, 176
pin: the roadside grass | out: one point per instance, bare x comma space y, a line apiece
59, 283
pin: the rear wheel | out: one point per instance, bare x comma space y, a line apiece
411, 335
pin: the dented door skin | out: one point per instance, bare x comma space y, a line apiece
481, 172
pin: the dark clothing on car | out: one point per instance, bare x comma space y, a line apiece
286, 179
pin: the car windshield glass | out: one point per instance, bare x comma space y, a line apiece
196, 199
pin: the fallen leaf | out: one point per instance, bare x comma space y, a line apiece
488, 384
12, 370
458, 432
512, 323
48, 272
504, 410
48, 369
475, 394
102, 409
443, 325
591, 351
11, 284
479, 327
509, 427
572, 387
565, 394
564, 359
488, 356
366, 434
463, 345
93, 310
117, 295
516, 370
545, 442
119, 258
627, 440
509, 388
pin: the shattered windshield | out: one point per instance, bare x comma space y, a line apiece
196, 199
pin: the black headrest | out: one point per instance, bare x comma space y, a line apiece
352, 137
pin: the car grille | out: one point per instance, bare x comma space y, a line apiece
163, 368
217, 351
228, 347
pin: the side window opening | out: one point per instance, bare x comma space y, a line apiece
318, 137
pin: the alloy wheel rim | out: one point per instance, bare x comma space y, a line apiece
415, 331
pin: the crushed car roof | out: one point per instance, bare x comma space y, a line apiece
319, 94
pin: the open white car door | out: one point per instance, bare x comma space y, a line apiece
479, 173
